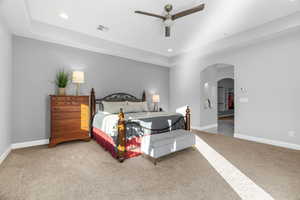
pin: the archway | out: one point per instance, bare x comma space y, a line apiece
210, 78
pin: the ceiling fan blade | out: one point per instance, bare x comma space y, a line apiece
167, 31
150, 14
188, 12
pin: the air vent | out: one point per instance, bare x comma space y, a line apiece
102, 28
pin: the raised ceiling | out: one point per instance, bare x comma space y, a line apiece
142, 34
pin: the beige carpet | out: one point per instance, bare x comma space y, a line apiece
83, 170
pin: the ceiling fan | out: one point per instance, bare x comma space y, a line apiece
169, 18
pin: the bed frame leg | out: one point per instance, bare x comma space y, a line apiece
92, 110
121, 160
188, 119
121, 136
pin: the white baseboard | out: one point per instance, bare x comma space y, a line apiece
201, 128
29, 144
268, 141
5, 154
22, 145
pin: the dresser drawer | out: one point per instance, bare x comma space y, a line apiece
64, 98
66, 123
70, 133
66, 115
65, 109
70, 99
66, 103
70, 124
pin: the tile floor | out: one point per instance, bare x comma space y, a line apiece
225, 127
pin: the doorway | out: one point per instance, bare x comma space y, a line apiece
217, 99
226, 106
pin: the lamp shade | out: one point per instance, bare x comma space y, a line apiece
155, 98
78, 77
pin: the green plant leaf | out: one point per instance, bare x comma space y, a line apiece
62, 79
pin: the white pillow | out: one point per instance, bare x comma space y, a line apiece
136, 107
113, 107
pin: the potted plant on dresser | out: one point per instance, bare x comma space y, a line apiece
62, 80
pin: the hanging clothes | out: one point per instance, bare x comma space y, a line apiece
230, 101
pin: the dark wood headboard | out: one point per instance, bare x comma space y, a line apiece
115, 97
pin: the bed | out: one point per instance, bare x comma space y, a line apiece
120, 120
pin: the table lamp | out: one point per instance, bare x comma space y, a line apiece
155, 100
78, 78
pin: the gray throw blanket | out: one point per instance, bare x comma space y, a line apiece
139, 124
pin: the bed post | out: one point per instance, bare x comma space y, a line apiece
144, 96
121, 136
92, 110
188, 119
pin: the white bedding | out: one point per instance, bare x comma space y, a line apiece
127, 106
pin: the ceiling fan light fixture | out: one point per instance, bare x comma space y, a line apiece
167, 31
168, 22
168, 7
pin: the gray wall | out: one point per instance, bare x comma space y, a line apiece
208, 90
270, 73
35, 64
5, 88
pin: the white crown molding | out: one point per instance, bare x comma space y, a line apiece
29, 144
5, 154
268, 141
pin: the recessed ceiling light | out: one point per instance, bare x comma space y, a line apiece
170, 50
64, 16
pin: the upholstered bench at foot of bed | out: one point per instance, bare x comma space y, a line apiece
159, 145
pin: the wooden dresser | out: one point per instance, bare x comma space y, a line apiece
69, 119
